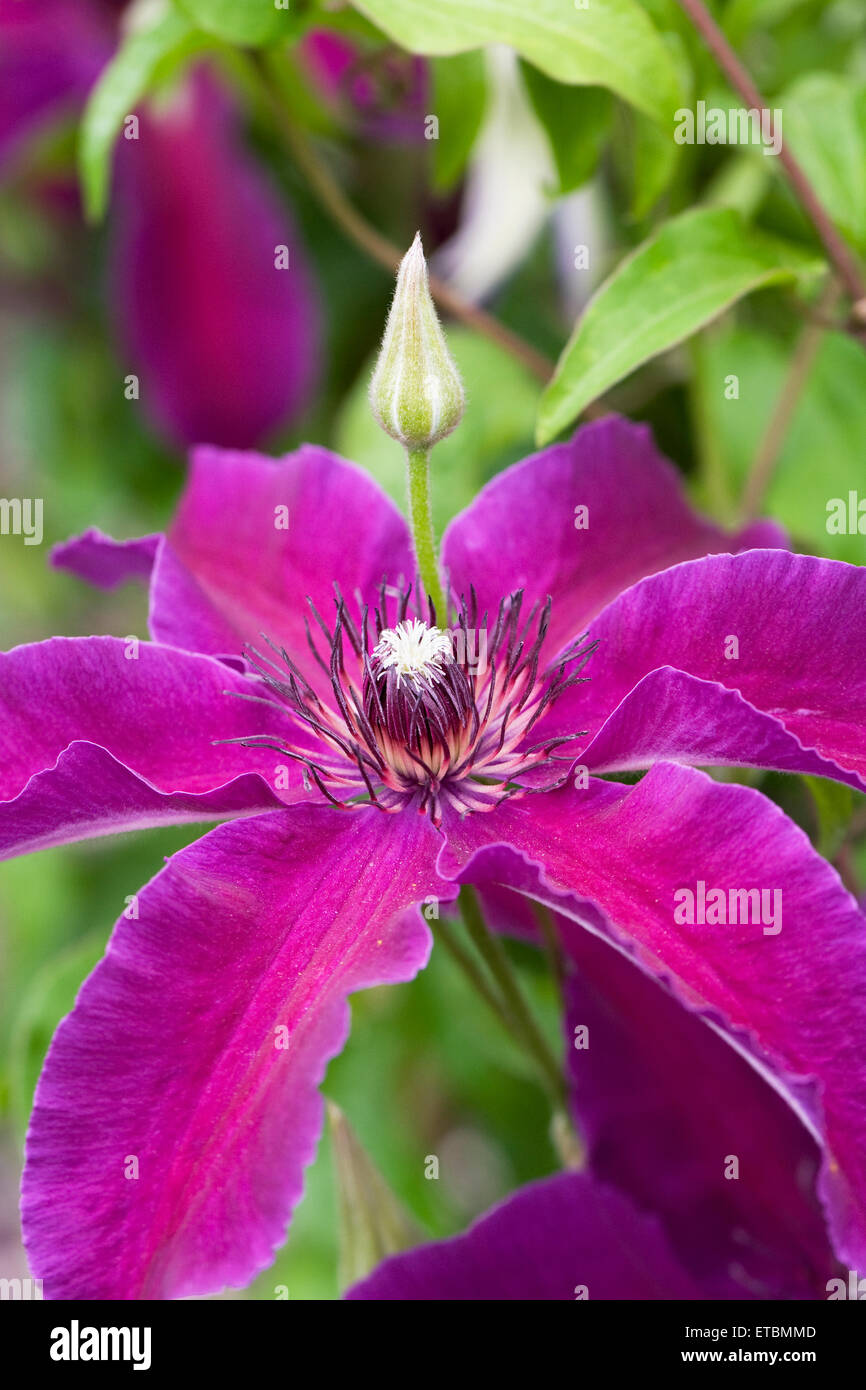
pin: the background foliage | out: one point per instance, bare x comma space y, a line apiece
702, 264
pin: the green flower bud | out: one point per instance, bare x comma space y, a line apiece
415, 393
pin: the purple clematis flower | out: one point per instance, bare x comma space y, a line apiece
211, 292
371, 764
384, 94
664, 1103
566, 1237
224, 334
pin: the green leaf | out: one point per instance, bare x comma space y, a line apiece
833, 806
653, 156
610, 43
741, 184
822, 455
654, 161
496, 429
145, 57
247, 22
372, 1221
825, 127
50, 996
459, 100
743, 16
692, 269
576, 121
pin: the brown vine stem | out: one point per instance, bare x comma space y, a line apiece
378, 247
837, 249
770, 447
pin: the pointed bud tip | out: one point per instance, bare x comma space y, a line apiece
416, 393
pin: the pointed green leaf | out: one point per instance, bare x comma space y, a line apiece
654, 161
691, 270
825, 127
833, 806
373, 1223
144, 57
459, 100
576, 121
247, 22
609, 43
827, 424
49, 997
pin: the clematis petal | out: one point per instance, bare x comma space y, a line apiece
224, 337
178, 1104
89, 793
522, 530
664, 1105
768, 658
290, 527
565, 1237
99, 734
789, 994
672, 715
105, 562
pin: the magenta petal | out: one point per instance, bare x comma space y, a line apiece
89, 793
197, 1046
671, 715
93, 741
520, 532
663, 1102
565, 1237
614, 857
105, 562
255, 536
799, 628
226, 342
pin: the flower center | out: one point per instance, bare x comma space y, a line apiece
416, 696
422, 715
413, 649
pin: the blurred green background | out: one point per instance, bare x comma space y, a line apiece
426, 1071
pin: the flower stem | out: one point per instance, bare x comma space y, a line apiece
368, 238
491, 950
552, 948
811, 337
421, 522
474, 974
507, 1003
838, 252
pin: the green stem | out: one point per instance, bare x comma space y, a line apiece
491, 950
267, 79
552, 949
778, 427
450, 940
513, 1013
713, 481
421, 521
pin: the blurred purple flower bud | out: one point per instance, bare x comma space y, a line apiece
385, 93
212, 292
51, 52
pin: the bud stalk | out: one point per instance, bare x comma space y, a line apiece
417, 397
